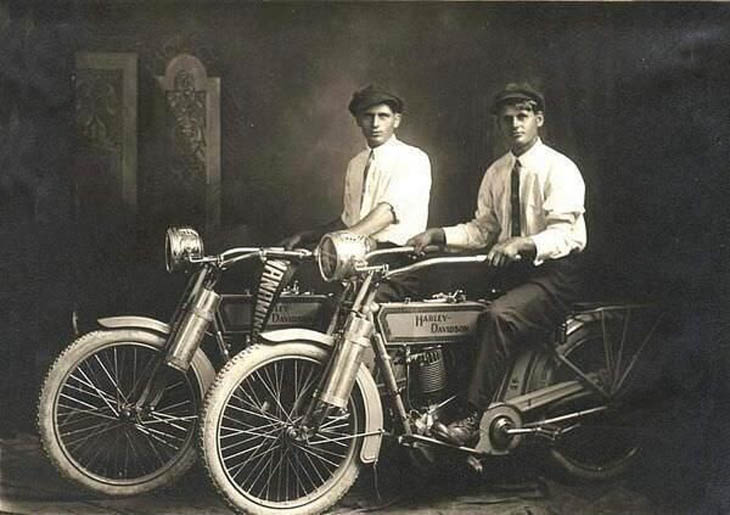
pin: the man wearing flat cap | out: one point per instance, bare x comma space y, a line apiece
530, 218
387, 184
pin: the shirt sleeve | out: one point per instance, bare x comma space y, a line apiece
484, 226
563, 206
408, 190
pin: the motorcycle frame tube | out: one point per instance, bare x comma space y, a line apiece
385, 362
371, 396
194, 284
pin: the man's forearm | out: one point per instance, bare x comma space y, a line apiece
376, 220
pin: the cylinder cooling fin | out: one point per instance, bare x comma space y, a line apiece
431, 371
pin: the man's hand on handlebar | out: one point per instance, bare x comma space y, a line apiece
507, 251
299, 239
434, 236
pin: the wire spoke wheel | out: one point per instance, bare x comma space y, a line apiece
608, 353
254, 450
600, 447
91, 427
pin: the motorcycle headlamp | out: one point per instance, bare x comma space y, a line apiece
339, 252
181, 244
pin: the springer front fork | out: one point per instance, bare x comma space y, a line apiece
185, 338
341, 373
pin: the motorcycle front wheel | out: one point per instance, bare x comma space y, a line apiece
248, 442
89, 427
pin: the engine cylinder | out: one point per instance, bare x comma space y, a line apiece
431, 372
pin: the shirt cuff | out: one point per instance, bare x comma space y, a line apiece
455, 236
396, 218
542, 248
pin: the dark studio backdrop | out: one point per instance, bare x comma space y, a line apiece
637, 95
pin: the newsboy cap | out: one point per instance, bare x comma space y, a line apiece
517, 92
373, 95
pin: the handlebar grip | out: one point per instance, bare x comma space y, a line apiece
430, 249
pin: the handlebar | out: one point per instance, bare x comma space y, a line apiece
400, 250
235, 255
419, 265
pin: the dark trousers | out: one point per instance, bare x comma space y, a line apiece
400, 287
535, 301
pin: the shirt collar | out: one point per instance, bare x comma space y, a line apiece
527, 156
384, 147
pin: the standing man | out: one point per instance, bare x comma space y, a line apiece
530, 217
387, 184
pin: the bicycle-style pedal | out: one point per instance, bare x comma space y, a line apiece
475, 464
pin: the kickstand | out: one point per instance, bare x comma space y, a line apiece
375, 482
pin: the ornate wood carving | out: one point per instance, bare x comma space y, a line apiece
106, 135
193, 104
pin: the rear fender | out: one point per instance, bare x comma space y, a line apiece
371, 398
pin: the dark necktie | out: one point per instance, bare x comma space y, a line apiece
515, 198
365, 172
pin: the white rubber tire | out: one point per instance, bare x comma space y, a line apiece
53, 445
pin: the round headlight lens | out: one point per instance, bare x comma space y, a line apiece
327, 258
181, 244
338, 252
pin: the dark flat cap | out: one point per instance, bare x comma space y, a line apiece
517, 92
373, 95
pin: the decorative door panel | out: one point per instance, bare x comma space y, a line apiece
105, 154
186, 187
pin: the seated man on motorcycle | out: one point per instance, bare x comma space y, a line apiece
530, 216
387, 184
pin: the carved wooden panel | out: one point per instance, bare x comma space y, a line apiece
192, 142
105, 155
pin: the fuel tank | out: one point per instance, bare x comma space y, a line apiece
428, 322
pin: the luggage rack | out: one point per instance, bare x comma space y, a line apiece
626, 332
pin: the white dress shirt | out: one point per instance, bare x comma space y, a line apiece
552, 196
399, 176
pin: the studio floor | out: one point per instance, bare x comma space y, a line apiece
29, 485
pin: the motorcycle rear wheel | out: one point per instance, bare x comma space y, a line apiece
248, 450
89, 429
603, 445
598, 449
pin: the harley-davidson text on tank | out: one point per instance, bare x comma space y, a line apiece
289, 311
423, 322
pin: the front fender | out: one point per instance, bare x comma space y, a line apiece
295, 333
161, 329
135, 322
371, 397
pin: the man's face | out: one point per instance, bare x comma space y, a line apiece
519, 127
378, 123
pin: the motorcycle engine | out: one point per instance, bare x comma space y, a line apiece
428, 370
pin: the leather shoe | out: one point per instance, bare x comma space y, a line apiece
463, 432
